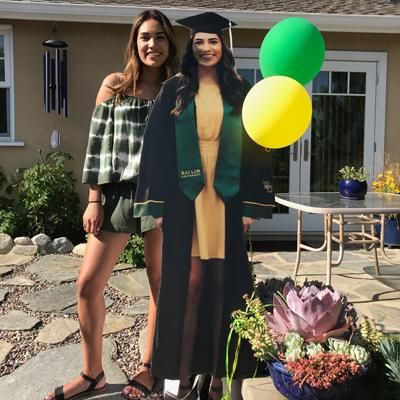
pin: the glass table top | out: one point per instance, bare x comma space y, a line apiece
332, 203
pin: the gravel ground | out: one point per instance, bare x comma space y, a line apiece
23, 341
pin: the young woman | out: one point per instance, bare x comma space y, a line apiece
111, 168
204, 181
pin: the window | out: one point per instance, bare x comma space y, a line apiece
6, 89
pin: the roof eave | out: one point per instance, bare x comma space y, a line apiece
244, 19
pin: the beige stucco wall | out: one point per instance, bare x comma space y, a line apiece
96, 50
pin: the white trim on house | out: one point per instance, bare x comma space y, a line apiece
6, 30
245, 19
380, 58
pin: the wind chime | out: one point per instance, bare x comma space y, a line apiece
55, 93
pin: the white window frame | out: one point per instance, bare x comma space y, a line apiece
6, 31
380, 58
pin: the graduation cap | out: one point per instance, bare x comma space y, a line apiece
208, 22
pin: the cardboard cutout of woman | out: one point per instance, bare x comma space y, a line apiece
204, 180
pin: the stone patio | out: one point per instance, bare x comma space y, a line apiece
375, 296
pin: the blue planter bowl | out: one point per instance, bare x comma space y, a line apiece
352, 189
392, 232
284, 384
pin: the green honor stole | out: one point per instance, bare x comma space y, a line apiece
190, 170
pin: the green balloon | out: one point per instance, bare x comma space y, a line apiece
295, 48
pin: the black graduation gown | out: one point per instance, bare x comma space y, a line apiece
158, 194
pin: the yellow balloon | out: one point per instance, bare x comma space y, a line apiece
276, 112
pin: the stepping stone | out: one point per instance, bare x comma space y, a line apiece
56, 268
53, 299
18, 281
134, 284
17, 321
14, 259
60, 299
122, 266
5, 270
57, 331
141, 307
5, 349
116, 323
52, 368
3, 294
74, 309
29, 250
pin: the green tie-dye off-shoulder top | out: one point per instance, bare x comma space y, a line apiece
115, 140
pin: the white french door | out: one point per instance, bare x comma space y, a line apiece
342, 132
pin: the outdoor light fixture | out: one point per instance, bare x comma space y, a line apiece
55, 76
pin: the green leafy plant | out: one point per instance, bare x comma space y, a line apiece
351, 172
8, 222
134, 252
4, 200
47, 197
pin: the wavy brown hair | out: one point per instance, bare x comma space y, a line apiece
133, 64
229, 81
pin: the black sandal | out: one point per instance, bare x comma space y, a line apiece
145, 391
59, 392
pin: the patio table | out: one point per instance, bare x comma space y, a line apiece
343, 212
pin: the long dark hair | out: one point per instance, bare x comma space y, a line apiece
133, 64
229, 81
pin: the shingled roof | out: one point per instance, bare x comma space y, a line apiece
341, 7
328, 15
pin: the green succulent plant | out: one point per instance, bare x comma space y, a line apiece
390, 350
314, 348
360, 354
338, 346
370, 334
294, 346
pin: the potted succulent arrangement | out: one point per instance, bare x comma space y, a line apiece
310, 339
389, 182
353, 183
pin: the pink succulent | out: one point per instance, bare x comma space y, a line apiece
315, 314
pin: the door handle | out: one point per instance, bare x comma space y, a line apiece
295, 150
306, 150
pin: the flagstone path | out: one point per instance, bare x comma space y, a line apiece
39, 340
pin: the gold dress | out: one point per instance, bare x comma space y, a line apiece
209, 223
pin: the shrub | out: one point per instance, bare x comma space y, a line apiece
8, 222
134, 252
47, 197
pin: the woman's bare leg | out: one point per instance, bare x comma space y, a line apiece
101, 255
153, 258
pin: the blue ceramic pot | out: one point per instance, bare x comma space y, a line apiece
352, 189
392, 231
284, 384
